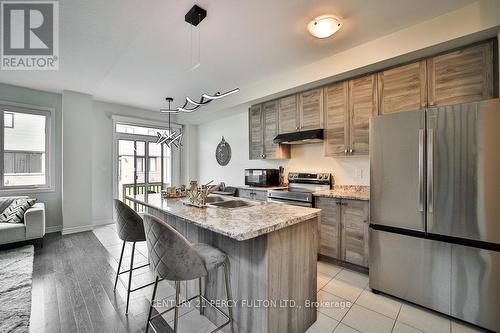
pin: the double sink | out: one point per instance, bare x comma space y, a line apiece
227, 202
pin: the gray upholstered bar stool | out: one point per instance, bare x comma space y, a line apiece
130, 227
174, 258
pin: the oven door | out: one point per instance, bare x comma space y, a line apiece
290, 202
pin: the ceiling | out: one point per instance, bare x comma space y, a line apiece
137, 52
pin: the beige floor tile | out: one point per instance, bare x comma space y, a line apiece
328, 268
343, 289
357, 279
367, 321
400, 327
342, 328
193, 322
323, 279
458, 327
333, 306
424, 320
378, 303
323, 324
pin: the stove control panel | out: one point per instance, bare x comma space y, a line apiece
309, 178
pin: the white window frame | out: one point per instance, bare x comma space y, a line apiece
50, 148
175, 154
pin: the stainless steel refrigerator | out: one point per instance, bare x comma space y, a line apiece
435, 209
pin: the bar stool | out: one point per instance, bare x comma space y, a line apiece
130, 228
174, 258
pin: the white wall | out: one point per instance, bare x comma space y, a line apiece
303, 157
189, 157
77, 162
52, 200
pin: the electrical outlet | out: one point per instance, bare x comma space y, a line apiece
358, 173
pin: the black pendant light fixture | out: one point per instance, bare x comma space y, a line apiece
194, 17
169, 137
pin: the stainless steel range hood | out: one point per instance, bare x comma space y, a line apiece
311, 136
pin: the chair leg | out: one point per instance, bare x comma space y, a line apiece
119, 266
200, 298
151, 306
130, 275
176, 310
228, 295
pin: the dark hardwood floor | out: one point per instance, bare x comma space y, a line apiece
73, 279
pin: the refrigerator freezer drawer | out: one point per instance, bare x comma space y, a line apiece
415, 269
476, 286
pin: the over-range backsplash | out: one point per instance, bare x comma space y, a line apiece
346, 171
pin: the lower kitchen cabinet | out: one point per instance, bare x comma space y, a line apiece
355, 227
343, 228
329, 226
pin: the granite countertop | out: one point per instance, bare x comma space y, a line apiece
240, 223
355, 192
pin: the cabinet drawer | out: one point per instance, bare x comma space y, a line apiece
243, 193
252, 194
260, 195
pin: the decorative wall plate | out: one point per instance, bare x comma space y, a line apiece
223, 152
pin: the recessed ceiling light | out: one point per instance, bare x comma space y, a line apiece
324, 26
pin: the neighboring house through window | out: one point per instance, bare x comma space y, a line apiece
25, 147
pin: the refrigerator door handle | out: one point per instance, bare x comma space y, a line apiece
430, 170
421, 170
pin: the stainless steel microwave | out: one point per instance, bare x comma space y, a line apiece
262, 177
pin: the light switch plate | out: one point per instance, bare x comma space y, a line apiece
358, 173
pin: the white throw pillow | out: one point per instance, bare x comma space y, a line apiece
15, 212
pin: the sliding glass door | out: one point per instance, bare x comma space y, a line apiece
143, 166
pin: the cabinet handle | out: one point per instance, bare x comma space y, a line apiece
351, 151
297, 128
345, 151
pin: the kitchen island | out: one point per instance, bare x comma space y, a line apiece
272, 250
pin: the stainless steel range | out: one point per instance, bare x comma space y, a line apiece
301, 187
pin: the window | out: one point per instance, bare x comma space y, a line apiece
24, 148
139, 166
152, 164
8, 120
142, 166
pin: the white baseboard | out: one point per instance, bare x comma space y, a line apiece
73, 230
56, 228
88, 227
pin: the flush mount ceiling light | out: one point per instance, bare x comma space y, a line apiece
324, 26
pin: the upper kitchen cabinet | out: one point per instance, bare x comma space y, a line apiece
362, 105
311, 110
462, 76
288, 110
403, 88
263, 128
256, 137
336, 119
